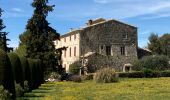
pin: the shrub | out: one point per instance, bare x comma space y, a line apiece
26, 86
152, 62
19, 90
74, 78
17, 69
106, 75
36, 73
26, 69
74, 68
148, 73
4, 94
53, 76
131, 74
88, 77
6, 74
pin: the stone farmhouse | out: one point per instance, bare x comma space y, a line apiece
110, 38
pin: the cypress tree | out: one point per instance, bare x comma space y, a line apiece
26, 69
39, 41
6, 74
16, 67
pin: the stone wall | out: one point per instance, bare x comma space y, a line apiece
111, 33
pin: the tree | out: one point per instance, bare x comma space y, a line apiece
3, 39
165, 44
154, 44
39, 40
159, 45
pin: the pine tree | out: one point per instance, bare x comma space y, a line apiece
39, 42
3, 39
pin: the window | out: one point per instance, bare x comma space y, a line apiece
65, 39
124, 36
108, 50
70, 37
70, 51
102, 47
74, 51
74, 36
122, 50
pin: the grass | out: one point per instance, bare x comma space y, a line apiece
125, 89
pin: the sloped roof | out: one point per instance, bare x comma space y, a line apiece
98, 21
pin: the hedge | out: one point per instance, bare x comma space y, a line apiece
26, 69
6, 74
16, 67
36, 73
140, 74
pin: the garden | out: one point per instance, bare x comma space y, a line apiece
125, 89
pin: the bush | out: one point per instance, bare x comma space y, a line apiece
74, 68
6, 74
4, 94
131, 74
152, 62
74, 78
17, 69
106, 75
87, 77
19, 90
145, 74
148, 73
26, 86
36, 73
26, 69
33, 72
53, 76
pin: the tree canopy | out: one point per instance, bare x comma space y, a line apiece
39, 36
3, 39
159, 45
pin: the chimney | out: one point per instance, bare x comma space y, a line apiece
90, 22
71, 29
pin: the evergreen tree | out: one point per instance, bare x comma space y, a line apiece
154, 44
3, 39
40, 37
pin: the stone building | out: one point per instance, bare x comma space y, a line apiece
111, 38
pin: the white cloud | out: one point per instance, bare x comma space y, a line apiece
118, 9
17, 10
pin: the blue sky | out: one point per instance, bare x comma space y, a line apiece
148, 15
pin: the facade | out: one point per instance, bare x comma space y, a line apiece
110, 38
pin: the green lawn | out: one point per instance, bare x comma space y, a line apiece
125, 89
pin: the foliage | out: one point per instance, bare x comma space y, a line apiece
26, 86
55, 76
6, 74
36, 73
3, 39
88, 77
19, 90
74, 68
74, 78
16, 67
39, 42
21, 50
26, 69
145, 73
106, 75
157, 62
4, 94
159, 45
